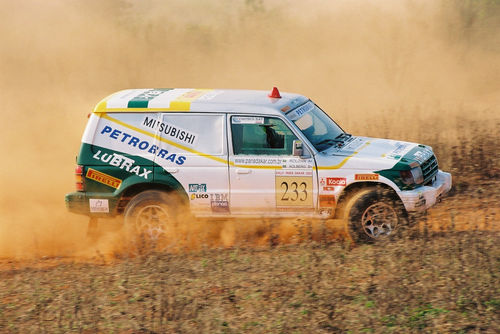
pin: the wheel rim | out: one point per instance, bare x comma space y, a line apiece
152, 221
379, 220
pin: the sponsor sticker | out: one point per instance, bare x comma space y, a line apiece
293, 188
336, 181
142, 145
99, 205
329, 183
422, 156
197, 187
399, 151
103, 178
209, 95
122, 162
170, 131
142, 100
219, 202
366, 177
199, 196
219, 206
247, 120
326, 201
285, 109
285, 172
300, 111
192, 95
219, 197
260, 161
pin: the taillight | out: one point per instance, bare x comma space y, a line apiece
79, 178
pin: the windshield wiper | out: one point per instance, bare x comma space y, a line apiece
343, 136
339, 139
328, 141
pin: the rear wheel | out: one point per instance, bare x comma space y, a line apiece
374, 214
150, 219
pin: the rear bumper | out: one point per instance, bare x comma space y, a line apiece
422, 198
80, 203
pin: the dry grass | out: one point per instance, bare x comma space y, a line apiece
434, 283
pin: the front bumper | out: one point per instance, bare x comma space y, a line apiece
422, 198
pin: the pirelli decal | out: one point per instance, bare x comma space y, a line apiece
106, 179
366, 177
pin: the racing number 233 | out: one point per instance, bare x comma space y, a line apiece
293, 191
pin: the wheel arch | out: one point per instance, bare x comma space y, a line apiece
128, 193
354, 187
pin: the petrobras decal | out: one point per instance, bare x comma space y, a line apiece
170, 131
123, 162
300, 111
140, 144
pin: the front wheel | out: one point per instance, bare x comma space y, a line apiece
374, 214
150, 219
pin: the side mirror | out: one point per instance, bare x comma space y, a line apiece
298, 150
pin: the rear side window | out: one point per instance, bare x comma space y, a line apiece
191, 132
261, 136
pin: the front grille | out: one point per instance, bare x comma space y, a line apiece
429, 169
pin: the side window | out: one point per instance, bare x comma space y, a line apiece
203, 133
261, 136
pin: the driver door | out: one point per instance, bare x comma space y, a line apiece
264, 175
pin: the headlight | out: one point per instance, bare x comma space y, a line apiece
412, 176
417, 175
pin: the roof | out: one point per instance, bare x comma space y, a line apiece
198, 100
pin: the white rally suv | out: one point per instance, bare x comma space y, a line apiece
241, 153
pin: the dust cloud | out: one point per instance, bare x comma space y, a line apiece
376, 67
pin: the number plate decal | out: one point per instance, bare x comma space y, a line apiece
294, 188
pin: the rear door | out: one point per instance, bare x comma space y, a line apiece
264, 175
193, 152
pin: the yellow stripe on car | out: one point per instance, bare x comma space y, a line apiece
343, 162
208, 156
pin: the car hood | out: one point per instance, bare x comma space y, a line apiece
373, 153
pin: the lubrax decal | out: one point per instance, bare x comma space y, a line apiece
123, 162
170, 130
143, 145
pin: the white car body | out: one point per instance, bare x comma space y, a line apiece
189, 137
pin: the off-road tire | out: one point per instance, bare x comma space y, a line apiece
374, 214
150, 220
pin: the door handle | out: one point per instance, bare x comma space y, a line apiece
172, 170
243, 171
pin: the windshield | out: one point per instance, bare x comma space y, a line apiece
319, 129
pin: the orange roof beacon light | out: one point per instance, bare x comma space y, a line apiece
275, 93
